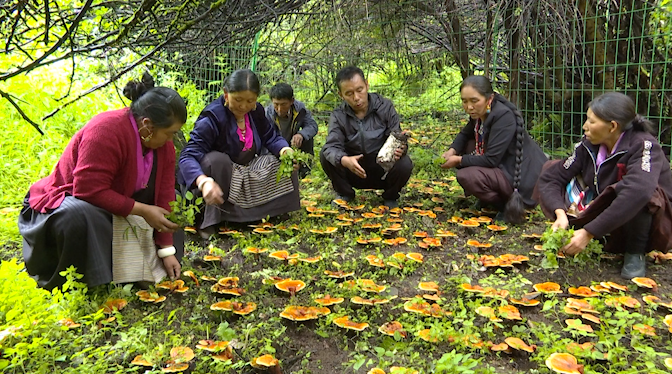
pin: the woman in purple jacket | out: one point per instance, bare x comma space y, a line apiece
616, 182
227, 160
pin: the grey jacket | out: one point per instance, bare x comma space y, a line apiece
349, 136
302, 120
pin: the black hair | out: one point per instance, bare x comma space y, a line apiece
615, 106
281, 91
242, 80
162, 105
514, 211
480, 83
346, 74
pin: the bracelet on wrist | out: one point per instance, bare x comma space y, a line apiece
165, 252
203, 182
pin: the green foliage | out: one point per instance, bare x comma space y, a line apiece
183, 210
555, 240
454, 362
287, 161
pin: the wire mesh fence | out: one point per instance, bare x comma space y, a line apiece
550, 57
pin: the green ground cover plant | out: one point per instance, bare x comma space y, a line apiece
455, 303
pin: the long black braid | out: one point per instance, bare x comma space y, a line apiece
514, 212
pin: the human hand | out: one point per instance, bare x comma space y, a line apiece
399, 152
172, 266
352, 163
578, 242
451, 162
446, 155
561, 221
156, 217
212, 193
297, 140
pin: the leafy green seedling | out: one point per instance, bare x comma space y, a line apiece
287, 161
183, 211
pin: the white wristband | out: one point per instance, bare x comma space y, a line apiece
285, 149
203, 182
165, 252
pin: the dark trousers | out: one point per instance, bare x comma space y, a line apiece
489, 185
344, 180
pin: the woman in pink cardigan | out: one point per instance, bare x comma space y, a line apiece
119, 165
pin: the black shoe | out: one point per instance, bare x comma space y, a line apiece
634, 265
391, 204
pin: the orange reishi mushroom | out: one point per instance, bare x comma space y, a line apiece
496, 228
429, 286
193, 277
577, 324
243, 309
212, 345
375, 261
428, 335
141, 361
564, 363
525, 302
417, 257
488, 312
509, 312
339, 274
390, 328
444, 234
646, 283
181, 354
582, 291
344, 322
547, 287
222, 305
291, 286
327, 300
113, 305
150, 297
263, 362
519, 344
644, 329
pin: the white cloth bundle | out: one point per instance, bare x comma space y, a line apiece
134, 257
385, 156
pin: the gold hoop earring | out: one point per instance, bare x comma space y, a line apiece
145, 138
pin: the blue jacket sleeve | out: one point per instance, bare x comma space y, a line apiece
269, 134
201, 142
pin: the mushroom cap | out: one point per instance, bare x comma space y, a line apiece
395, 241
279, 255
261, 230
629, 302
645, 282
519, 344
141, 361
426, 335
114, 304
328, 300
389, 328
417, 257
369, 285
525, 302
531, 236
644, 329
509, 312
429, 286
175, 367
344, 322
182, 354
591, 317
376, 371
444, 233
228, 282
212, 258
290, 285
399, 256
150, 297
243, 309
371, 226
494, 293
255, 250
420, 234
311, 260
225, 355
501, 347
547, 287
469, 288
418, 306
487, 312
212, 345
583, 291
668, 363
375, 261
469, 223
615, 286
564, 363
496, 228
191, 275
600, 288
265, 361
577, 324
218, 288
222, 305
339, 274
652, 299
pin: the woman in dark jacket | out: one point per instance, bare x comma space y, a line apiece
497, 160
224, 158
623, 187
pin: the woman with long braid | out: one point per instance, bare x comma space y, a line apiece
497, 161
